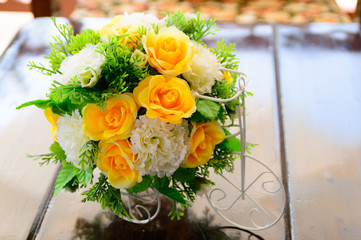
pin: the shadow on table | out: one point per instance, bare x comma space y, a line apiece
108, 226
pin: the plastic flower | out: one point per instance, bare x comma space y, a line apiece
204, 137
169, 51
204, 70
85, 65
161, 147
228, 77
71, 137
117, 161
167, 98
52, 118
129, 25
116, 121
140, 59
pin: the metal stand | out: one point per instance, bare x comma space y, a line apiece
265, 183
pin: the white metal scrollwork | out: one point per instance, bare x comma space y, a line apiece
267, 217
141, 206
255, 212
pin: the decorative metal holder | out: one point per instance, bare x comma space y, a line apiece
265, 183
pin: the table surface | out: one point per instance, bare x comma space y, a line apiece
304, 117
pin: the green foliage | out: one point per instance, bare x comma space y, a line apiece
59, 48
64, 45
56, 155
58, 152
177, 213
84, 176
196, 28
162, 185
209, 109
65, 175
184, 174
46, 71
197, 117
232, 143
88, 154
79, 41
121, 74
43, 104
108, 196
45, 159
222, 159
225, 54
142, 186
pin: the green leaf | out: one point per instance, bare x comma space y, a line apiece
84, 176
142, 186
184, 174
197, 117
66, 174
208, 109
172, 194
161, 182
43, 104
58, 151
233, 143
72, 185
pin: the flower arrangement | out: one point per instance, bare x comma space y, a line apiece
125, 100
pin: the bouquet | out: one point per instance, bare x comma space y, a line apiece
137, 101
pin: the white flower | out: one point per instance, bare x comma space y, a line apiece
204, 70
140, 19
204, 189
71, 137
130, 24
161, 147
85, 65
140, 59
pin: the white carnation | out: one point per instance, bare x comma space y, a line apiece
160, 146
71, 137
85, 65
204, 70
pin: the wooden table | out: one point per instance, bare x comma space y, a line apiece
305, 117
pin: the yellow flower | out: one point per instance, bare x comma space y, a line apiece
228, 77
115, 122
204, 137
117, 160
169, 51
52, 118
167, 98
117, 28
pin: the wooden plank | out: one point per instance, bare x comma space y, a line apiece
23, 184
68, 217
320, 81
15, 6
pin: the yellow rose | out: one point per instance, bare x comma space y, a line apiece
52, 118
117, 28
204, 137
169, 51
167, 98
115, 122
117, 160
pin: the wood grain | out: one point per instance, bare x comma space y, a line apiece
320, 82
23, 184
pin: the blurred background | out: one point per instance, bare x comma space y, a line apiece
15, 13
